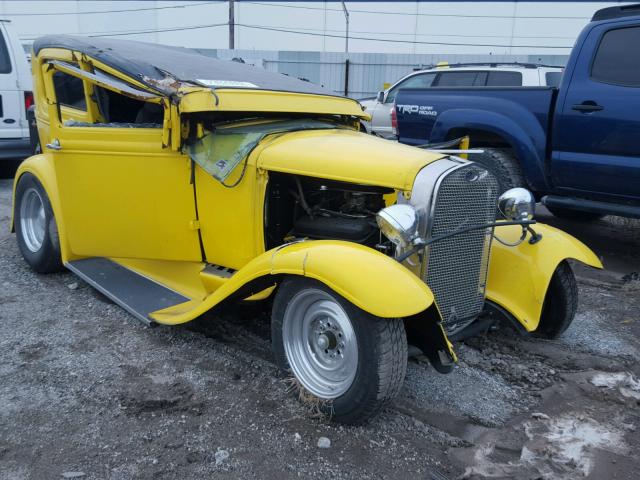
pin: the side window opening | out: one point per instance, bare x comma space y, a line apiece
504, 79
617, 61
69, 91
5, 59
120, 109
424, 80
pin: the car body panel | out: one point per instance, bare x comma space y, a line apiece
351, 270
347, 156
519, 276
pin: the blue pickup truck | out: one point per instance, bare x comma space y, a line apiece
577, 147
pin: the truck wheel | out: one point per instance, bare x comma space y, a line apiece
36, 229
504, 165
560, 303
577, 215
347, 363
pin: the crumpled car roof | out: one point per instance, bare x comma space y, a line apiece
152, 64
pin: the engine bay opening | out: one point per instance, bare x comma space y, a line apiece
305, 207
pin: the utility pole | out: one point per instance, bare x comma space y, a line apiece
346, 50
232, 24
346, 37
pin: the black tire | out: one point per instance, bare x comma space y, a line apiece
504, 165
560, 303
577, 215
381, 352
47, 257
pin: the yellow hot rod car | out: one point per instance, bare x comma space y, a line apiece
173, 182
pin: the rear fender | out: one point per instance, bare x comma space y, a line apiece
519, 276
370, 280
527, 140
42, 167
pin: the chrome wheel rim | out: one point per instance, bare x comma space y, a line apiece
32, 219
320, 343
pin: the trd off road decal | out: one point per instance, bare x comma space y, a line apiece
419, 109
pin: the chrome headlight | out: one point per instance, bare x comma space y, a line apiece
399, 223
517, 204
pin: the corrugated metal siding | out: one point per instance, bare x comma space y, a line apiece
368, 72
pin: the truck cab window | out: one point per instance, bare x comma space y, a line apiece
617, 60
121, 109
69, 91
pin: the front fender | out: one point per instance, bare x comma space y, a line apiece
41, 166
370, 280
519, 276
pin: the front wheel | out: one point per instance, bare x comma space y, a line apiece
349, 362
560, 303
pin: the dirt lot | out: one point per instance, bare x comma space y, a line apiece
87, 391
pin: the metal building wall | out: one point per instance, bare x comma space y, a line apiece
368, 72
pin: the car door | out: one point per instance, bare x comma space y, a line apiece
122, 193
10, 95
597, 128
381, 116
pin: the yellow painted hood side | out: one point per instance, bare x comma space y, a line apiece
345, 155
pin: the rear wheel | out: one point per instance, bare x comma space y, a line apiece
503, 164
35, 224
346, 362
574, 214
560, 303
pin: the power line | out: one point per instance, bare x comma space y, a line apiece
419, 14
22, 14
389, 40
141, 32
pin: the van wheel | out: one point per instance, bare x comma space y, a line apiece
347, 363
560, 303
577, 215
504, 165
35, 224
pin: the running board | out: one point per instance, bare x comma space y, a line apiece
593, 206
137, 294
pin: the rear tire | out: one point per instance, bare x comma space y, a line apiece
348, 363
577, 215
35, 225
504, 165
560, 303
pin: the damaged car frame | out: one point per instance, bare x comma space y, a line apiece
173, 182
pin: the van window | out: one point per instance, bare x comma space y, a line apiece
423, 80
552, 79
504, 79
461, 79
5, 59
617, 60
69, 91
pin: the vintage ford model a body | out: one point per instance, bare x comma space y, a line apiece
173, 182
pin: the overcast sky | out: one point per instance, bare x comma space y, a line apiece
437, 27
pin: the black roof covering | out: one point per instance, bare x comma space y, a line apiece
140, 60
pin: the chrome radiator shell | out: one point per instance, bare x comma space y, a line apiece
450, 194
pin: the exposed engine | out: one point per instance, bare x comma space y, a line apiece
323, 209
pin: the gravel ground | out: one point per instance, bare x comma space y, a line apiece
87, 391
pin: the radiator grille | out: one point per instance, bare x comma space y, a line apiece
456, 267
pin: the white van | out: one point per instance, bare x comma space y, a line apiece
16, 95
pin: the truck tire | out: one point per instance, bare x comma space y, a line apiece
577, 215
347, 363
560, 303
36, 228
504, 165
